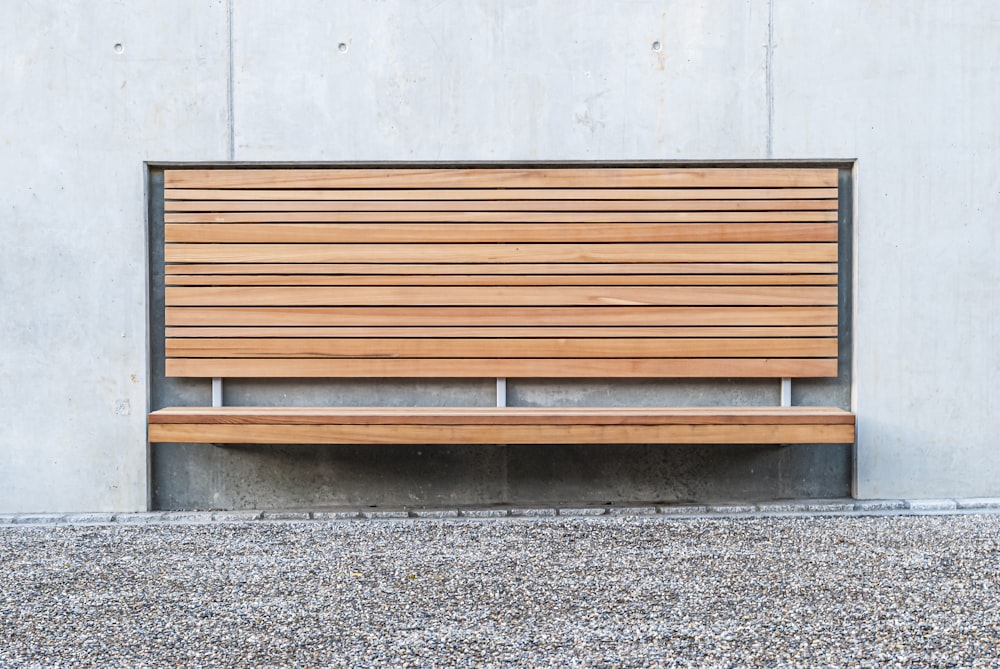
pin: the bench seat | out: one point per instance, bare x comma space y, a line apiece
506, 425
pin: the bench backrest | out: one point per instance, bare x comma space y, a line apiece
501, 272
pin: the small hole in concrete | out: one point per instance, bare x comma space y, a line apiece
119, 47
342, 47
656, 46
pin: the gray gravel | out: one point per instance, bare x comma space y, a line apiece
605, 591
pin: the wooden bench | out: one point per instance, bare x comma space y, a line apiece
501, 272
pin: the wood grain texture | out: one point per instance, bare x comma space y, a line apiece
480, 271
516, 331
542, 272
499, 432
489, 233
610, 316
482, 177
514, 296
532, 269
607, 347
501, 280
502, 253
502, 367
512, 217
501, 204
172, 195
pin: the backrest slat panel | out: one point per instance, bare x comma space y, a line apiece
464, 272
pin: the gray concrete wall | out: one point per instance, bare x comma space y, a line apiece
908, 88
77, 120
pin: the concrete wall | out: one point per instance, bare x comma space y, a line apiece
77, 120
907, 88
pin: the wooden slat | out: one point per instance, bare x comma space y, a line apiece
501, 332
505, 434
500, 296
564, 269
467, 205
573, 218
485, 316
441, 233
476, 177
463, 296
744, 415
514, 368
503, 280
417, 194
618, 347
500, 253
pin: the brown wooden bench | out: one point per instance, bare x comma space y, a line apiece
509, 272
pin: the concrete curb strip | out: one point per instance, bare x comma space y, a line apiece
781, 508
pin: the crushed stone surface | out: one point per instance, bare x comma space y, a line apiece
561, 592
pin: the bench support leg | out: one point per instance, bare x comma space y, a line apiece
217, 392
501, 392
786, 392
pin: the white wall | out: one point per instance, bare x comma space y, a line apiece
908, 88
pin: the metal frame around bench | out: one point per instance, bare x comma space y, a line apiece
575, 272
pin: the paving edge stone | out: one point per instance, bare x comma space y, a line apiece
683, 510
186, 517
237, 516
880, 505
732, 509
89, 518
829, 507
385, 515
143, 518
931, 505
978, 503
632, 510
435, 513
779, 507
533, 512
584, 511
336, 515
39, 519
483, 513
286, 515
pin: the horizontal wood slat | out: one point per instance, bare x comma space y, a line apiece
527, 332
506, 177
501, 348
501, 296
502, 280
507, 204
172, 195
553, 269
501, 217
480, 233
507, 367
485, 316
501, 253
502, 433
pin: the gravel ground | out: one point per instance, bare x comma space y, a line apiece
888, 591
